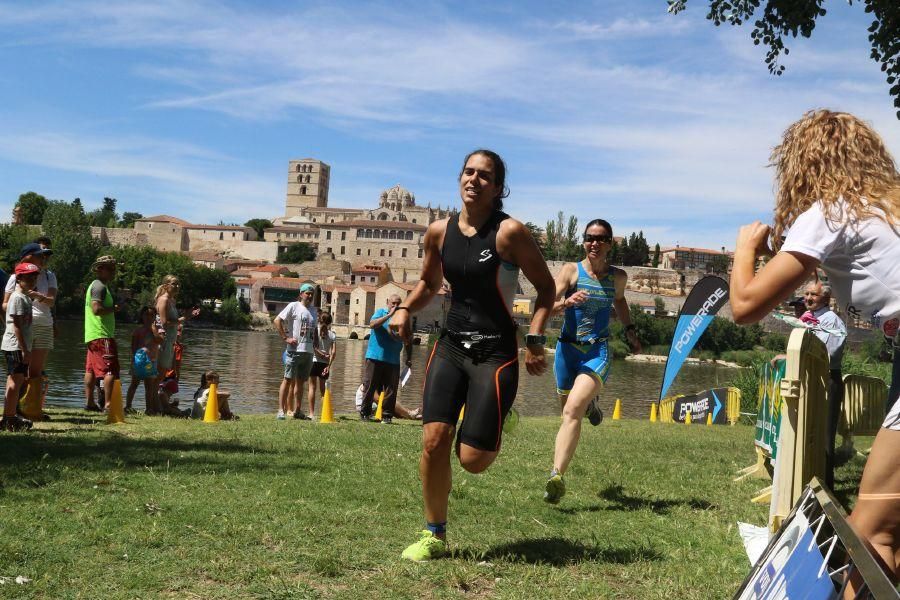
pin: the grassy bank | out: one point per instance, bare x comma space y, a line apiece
266, 509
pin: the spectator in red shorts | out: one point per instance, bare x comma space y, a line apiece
100, 331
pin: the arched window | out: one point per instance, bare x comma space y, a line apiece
409, 235
392, 235
307, 178
384, 234
302, 190
299, 168
368, 233
383, 217
413, 220
377, 234
359, 233
299, 178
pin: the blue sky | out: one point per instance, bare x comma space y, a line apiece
601, 109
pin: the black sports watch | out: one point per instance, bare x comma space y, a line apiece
535, 339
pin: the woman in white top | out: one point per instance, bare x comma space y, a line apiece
43, 297
837, 208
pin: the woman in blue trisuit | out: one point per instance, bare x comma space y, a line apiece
587, 291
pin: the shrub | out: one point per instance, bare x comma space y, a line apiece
618, 348
775, 342
231, 315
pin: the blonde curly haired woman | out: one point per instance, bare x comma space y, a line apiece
837, 208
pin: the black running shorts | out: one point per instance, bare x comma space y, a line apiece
485, 382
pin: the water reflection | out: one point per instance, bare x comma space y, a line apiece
250, 367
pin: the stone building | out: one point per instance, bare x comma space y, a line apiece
307, 185
171, 234
342, 232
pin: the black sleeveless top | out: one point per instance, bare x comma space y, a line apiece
482, 285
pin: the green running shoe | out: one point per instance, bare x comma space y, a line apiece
555, 489
429, 547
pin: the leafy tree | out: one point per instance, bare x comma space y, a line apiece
128, 219
296, 254
615, 254
659, 305
258, 225
32, 207
74, 251
12, 238
105, 216
636, 251
718, 264
538, 234
782, 18
656, 253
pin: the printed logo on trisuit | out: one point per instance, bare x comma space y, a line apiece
486, 255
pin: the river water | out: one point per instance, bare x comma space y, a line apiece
249, 364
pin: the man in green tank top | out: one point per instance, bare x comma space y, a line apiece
100, 332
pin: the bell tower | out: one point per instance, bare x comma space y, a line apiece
307, 185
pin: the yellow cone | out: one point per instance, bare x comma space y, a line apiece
709, 418
617, 410
462, 412
30, 399
115, 413
653, 412
687, 418
326, 415
212, 404
380, 405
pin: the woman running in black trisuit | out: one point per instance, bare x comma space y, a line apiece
475, 361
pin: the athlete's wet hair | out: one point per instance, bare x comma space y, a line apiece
499, 173
602, 223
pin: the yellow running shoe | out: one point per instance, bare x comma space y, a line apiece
429, 547
555, 489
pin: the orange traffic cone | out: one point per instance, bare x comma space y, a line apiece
212, 404
115, 413
380, 405
326, 415
30, 400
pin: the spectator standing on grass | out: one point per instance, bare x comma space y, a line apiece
383, 362
324, 352
837, 207
829, 328
100, 332
16, 345
169, 320
300, 318
145, 341
42, 297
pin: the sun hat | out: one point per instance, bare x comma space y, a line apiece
34, 249
105, 261
27, 269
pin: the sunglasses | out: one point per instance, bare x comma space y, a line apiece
603, 239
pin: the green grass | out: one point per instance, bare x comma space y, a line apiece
263, 509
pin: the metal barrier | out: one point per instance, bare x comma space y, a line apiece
863, 408
802, 433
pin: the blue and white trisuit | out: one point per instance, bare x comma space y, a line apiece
582, 345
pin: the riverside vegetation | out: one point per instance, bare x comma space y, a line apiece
163, 508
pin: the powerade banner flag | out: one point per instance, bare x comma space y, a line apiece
708, 296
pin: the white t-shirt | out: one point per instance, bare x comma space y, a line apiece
301, 323
46, 281
19, 305
325, 344
861, 259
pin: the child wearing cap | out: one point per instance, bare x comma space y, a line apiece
16, 344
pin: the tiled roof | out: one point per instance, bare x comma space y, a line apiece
245, 281
166, 219
220, 227
269, 269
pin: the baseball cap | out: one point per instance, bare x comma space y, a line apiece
33, 249
307, 287
27, 269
